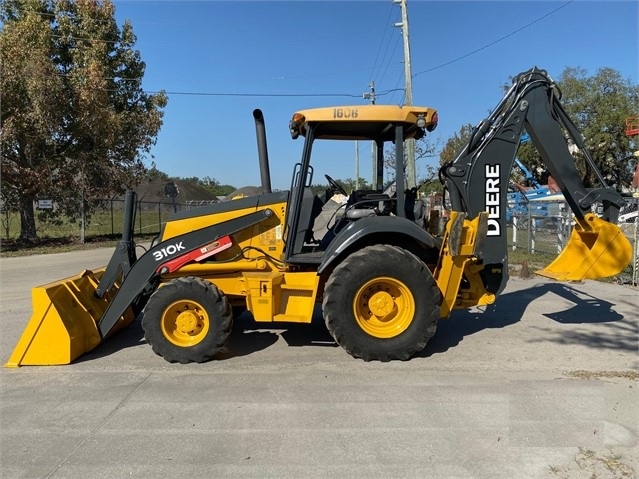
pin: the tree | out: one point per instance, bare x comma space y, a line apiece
423, 149
455, 144
214, 186
320, 188
76, 124
154, 174
449, 152
599, 106
352, 184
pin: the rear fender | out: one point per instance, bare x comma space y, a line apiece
370, 230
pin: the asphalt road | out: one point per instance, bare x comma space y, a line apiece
542, 384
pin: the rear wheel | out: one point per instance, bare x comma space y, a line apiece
187, 320
381, 303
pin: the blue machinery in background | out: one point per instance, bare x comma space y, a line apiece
519, 199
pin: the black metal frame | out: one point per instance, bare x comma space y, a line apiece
533, 104
142, 278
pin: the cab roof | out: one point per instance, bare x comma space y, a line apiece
364, 122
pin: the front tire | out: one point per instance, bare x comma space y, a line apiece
187, 320
381, 303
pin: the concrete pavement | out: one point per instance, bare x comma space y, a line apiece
542, 384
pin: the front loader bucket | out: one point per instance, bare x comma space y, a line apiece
63, 325
596, 249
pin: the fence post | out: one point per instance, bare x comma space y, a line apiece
82, 220
560, 231
533, 233
6, 212
529, 231
515, 221
112, 222
635, 265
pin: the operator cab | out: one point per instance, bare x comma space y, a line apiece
380, 124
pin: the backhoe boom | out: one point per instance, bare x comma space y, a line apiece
477, 180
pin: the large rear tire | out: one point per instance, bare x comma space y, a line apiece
381, 303
187, 320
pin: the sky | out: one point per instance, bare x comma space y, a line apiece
220, 60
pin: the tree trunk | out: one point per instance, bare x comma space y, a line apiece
27, 220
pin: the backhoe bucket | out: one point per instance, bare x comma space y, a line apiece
63, 325
596, 249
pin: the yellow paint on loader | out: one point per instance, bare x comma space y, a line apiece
462, 242
596, 249
63, 325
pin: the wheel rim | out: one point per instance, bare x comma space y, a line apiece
185, 323
384, 307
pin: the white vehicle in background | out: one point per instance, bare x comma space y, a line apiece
628, 214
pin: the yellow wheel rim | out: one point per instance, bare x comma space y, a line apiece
384, 307
185, 323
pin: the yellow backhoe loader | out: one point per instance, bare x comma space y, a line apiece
382, 280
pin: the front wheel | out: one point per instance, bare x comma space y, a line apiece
187, 320
381, 303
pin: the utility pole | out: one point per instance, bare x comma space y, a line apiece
371, 96
411, 176
356, 164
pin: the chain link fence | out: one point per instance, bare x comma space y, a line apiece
104, 220
529, 232
549, 232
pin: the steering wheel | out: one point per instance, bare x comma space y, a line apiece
335, 185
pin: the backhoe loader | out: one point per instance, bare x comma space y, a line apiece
382, 280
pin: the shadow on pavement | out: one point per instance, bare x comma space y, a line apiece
249, 336
510, 308
129, 337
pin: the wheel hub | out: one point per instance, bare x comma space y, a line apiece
384, 307
381, 304
186, 322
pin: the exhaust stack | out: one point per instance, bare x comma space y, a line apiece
262, 150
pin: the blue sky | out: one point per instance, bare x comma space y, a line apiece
221, 60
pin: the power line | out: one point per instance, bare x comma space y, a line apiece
399, 79
397, 38
195, 93
495, 42
187, 93
227, 94
387, 29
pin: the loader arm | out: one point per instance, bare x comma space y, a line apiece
143, 278
124, 255
477, 180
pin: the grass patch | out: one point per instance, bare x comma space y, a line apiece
536, 261
17, 247
629, 374
591, 464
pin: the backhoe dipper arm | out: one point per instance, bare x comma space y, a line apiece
477, 180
